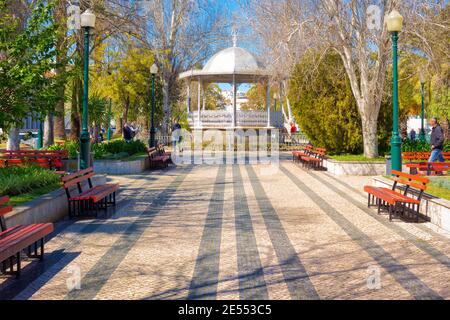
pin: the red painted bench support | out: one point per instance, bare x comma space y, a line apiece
16, 239
91, 199
399, 204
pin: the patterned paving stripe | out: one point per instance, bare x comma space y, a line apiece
251, 276
56, 259
364, 195
206, 273
96, 278
402, 275
294, 273
416, 241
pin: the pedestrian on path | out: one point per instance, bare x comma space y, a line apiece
437, 141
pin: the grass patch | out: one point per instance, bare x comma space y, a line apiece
16, 181
438, 187
356, 158
29, 196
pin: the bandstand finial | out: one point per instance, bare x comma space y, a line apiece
234, 35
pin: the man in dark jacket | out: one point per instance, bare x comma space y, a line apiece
437, 142
127, 133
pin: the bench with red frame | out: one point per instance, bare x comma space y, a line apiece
158, 157
421, 156
306, 151
48, 159
92, 198
429, 168
315, 159
399, 203
16, 239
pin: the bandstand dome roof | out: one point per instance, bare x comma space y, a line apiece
231, 61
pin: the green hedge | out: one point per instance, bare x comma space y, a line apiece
19, 180
116, 149
418, 146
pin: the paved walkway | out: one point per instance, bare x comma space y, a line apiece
239, 232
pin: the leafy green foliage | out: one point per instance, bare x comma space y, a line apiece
71, 147
19, 180
418, 146
114, 150
323, 104
118, 149
27, 50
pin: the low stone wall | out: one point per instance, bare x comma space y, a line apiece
51, 207
117, 167
438, 210
355, 168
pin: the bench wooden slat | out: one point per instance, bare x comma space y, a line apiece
75, 181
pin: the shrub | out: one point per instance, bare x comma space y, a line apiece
115, 149
19, 180
419, 146
71, 147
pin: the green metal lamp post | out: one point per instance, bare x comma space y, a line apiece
109, 120
275, 97
394, 25
152, 141
40, 136
422, 135
87, 22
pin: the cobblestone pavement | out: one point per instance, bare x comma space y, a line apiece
239, 232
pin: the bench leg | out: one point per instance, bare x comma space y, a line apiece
19, 267
379, 205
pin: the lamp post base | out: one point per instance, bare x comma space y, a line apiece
422, 136
396, 152
84, 150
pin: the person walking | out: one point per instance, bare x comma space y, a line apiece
412, 135
127, 133
176, 135
437, 141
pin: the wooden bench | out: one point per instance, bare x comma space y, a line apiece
90, 199
158, 157
315, 159
421, 156
427, 168
16, 239
43, 158
397, 203
306, 151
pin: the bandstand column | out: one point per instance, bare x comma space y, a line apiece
268, 104
234, 101
199, 105
189, 97
203, 97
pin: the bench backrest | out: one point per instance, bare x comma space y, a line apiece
4, 209
77, 178
410, 181
321, 152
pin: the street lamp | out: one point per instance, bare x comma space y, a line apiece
394, 23
87, 22
275, 97
422, 78
153, 71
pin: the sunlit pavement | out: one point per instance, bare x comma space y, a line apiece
239, 232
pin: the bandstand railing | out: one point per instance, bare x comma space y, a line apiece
224, 119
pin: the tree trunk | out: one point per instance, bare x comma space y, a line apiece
13, 139
49, 136
75, 128
60, 15
370, 139
166, 107
119, 126
445, 124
